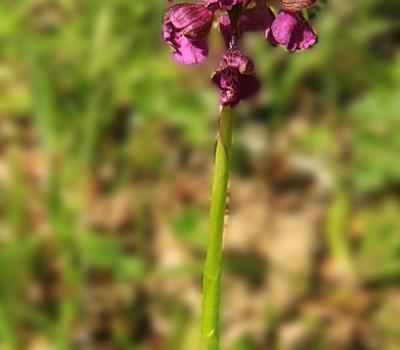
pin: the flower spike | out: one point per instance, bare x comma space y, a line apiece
187, 26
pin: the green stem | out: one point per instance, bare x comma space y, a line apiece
212, 269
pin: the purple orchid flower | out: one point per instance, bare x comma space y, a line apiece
235, 77
290, 28
292, 31
186, 27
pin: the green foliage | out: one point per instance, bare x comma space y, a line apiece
379, 253
104, 252
376, 139
189, 226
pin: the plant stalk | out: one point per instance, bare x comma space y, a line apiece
212, 269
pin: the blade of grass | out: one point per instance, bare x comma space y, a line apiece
336, 231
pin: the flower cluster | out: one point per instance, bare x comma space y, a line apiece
187, 26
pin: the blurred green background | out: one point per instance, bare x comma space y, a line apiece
105, 162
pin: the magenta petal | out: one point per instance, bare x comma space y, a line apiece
284, 26
308, 37
292, 31
189, 52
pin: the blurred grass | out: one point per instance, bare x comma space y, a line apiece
93, 83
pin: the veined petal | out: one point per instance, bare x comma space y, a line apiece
183, 15
296, 5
